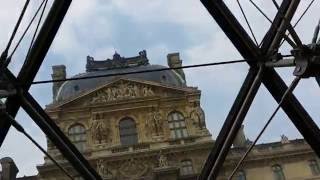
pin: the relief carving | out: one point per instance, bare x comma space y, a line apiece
154, 124
99, 130
163, 161
102, 170
122, 90
133, 168
198, 117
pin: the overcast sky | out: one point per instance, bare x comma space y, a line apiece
99, 28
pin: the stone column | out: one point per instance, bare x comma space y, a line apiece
9, 169
58, 72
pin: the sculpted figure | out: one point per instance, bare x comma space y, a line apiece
100, 133
157, 125
108, 93
136, 90
144, 91
100, 168
150, 92
197, 115
163, 161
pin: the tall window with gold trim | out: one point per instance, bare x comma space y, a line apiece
177, 125
77, 135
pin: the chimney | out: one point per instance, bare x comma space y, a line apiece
58, 72
9, 169
240, 140
175, 61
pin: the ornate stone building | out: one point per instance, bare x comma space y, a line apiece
137, 126
151, 126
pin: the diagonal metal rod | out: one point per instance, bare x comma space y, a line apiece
5, 53
248, 24
283, 26
273, 82
304, 12
237, 122
302, 15
289, 90
316, 33
27, 74
37, 27
286, 37
291, 30
26, 30
20, 129
228, 124
54, 133
37, 54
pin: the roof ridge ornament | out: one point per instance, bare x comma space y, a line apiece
117, 62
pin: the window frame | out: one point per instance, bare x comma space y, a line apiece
177, 125
241, 175
186, 167
278, 173
128, 138
78, 137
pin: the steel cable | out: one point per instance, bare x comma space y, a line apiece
139, 72
20, 129
245, 17
290, 89
26, 30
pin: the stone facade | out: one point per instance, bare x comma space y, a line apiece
133, 128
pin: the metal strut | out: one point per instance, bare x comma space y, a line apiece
23, 98
273, 82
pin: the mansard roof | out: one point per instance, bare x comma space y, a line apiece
115, 66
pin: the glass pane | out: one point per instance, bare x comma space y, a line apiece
178, 133
172, 132
128, 132
184, 132
170, 125
175, 116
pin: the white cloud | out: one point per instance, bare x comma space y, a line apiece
89, 29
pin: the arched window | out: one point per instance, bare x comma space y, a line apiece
177, 125
77, 135
278, 172
186, 167
128, 132
241, 175
314, 167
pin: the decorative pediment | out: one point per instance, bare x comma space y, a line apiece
126, 89
122, 90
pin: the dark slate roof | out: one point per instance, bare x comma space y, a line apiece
73, 88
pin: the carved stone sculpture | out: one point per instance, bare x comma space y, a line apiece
163, 161
123, 90
103, 170
154, 124
133, 168
197, 116
100, 132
